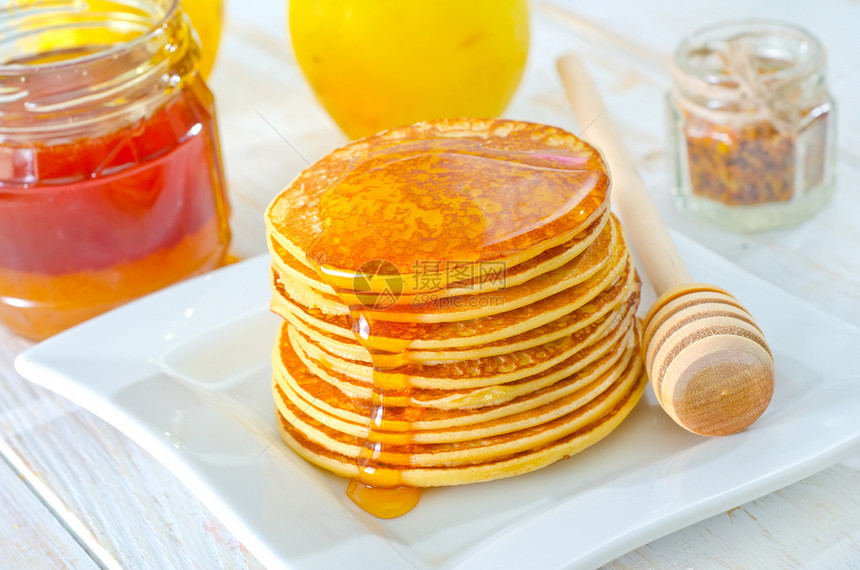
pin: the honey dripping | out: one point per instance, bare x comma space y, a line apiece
414, 217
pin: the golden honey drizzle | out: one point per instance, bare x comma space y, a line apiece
425, 208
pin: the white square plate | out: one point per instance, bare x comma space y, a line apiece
185, 373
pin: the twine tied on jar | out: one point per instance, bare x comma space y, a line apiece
747, 91
751, 125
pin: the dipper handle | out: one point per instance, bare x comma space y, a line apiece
642, 223
708, 362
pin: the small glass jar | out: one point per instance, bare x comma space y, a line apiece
111, 182
752, 126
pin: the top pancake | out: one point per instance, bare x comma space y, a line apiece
434, 198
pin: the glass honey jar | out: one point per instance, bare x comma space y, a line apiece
111, 181
752, 125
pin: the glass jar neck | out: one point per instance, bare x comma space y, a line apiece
79, 68
750, 71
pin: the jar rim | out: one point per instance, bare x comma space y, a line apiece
156, 27
66, 84
810, 54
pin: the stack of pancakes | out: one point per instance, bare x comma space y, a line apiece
458, 302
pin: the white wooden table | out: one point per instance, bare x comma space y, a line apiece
76, 493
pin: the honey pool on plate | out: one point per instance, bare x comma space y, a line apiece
458, 305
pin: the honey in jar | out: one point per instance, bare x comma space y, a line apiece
111, 183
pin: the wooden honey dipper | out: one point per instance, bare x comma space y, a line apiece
707, 360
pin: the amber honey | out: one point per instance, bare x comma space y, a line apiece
111, 183
400, 204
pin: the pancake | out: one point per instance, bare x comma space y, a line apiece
313, 386
488, 440
315, 224
296, 274
593, 345
608, 301
433, 309
592, 423
473, 373
458, 305
337, 330
397, 337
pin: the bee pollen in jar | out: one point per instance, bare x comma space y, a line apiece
752, 124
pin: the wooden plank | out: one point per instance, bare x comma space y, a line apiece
813, 523
30, 535
127, 509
